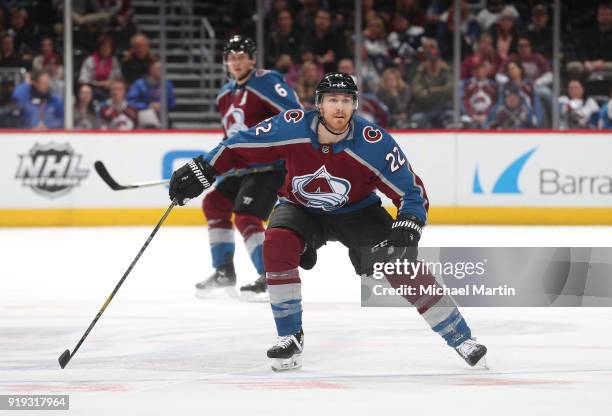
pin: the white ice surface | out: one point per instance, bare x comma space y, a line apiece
158, 350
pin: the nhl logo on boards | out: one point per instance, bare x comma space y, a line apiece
371, 135
51, 170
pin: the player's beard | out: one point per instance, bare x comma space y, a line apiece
333, 125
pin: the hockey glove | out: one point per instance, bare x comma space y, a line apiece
190, 180
405, 231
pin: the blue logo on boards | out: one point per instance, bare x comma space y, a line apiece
507, 182
170, 157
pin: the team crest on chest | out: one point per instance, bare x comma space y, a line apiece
234, 120
372, 135
321, 190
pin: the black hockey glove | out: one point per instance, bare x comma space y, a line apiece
405, 231
190, 180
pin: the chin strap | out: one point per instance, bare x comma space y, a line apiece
322, 122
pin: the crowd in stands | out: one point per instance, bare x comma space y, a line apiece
117, 78
406, 54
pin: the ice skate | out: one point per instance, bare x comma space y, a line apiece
224, 277
255, 291
286, 354
472, 352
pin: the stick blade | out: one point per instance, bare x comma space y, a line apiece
64, 358
106, 177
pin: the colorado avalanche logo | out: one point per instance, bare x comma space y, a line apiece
233, 121
321, 190
293, 116
372, 135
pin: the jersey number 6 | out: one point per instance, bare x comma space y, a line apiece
280, 90
396, 159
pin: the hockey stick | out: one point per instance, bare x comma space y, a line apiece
115, 186
66, 355
106, 177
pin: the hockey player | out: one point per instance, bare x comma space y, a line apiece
250, 97
335, 161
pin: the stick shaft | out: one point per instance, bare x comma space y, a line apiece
125, 275
115, 186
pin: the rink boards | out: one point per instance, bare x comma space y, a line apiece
471, 177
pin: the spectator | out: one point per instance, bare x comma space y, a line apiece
469, 28
396, 96
347, 66
137, 59
40, 108
539, 31
367, 11
594, 48
324, 41
306, 16
271, 19
370, 77
23, 34
479, 97
85, 115
404, 43
504, 33
9, 58
287, 66
513, 75
434, 11
123, 19
372, 109
48, 60
535, 67
538, 72
485, 54
46, 56
112, 12
375, 43
284, 40
412, 10
432, 89
489, 16
605, 115
117, 114
2, 20
576, 110
100, 67
307, 84
513, 112
145, 95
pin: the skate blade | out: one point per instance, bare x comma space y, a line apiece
287, 364
248, 296
209, 293
482, 363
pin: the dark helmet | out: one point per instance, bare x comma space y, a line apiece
337, 82
239, 43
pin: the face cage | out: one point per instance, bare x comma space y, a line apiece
319, 98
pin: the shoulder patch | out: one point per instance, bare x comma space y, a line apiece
371, 135
293, 116
261, 72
